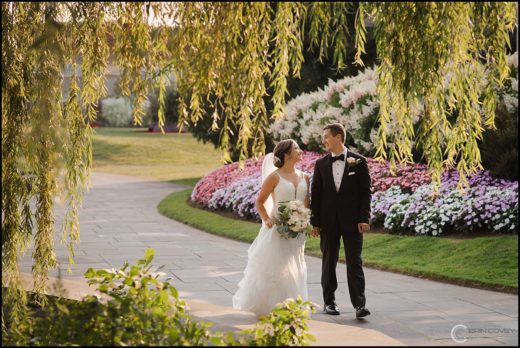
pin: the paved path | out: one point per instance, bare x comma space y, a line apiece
119, 221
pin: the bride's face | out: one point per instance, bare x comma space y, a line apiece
296, 154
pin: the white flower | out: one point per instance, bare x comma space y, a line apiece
296, 220
351, 161
512, 60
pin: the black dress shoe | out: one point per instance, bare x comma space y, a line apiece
362, 312
332, 309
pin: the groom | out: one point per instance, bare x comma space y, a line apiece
340, 205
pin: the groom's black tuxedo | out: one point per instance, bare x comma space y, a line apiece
337, 213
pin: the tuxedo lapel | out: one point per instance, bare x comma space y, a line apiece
344, 178
328, 171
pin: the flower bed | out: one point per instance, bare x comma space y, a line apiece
228, 188
481, 208
221, 178
350, 101
402, 203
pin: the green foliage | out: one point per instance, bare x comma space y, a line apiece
136, 308
285, 326
414, 63
315, 72
171, 108
499, 146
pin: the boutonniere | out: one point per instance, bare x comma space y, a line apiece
352, 162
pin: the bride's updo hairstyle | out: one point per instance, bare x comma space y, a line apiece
282, 148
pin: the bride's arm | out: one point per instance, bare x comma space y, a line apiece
267, 188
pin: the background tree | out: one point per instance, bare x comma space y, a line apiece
218, 50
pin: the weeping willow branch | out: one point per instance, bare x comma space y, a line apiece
422, 44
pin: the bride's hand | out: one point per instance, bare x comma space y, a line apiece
269, 223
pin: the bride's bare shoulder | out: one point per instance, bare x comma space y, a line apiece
272, 179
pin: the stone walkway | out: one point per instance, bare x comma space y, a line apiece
119, 221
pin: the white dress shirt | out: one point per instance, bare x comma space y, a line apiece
338, 167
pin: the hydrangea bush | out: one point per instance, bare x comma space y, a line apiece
350, 101
353, 102
117, 112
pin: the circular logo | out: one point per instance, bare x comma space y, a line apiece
458, 333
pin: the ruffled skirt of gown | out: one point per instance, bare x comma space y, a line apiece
275, 272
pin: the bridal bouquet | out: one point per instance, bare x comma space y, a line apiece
293, 218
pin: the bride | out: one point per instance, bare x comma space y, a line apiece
276, 268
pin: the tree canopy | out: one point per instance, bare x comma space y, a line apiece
232, 52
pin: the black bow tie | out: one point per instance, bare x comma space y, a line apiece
340, 157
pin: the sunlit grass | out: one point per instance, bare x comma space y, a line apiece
133, 151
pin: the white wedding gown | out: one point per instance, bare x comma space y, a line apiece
276, 268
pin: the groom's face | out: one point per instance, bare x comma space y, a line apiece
331, 142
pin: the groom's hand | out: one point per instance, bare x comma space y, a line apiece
362, 227
315, 231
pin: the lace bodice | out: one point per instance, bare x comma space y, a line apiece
286, 191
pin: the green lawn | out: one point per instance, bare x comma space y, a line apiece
486, 262
170, 156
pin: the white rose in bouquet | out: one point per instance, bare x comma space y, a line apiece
293, 219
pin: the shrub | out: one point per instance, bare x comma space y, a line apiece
353, 102
285, 326
171, 110
117, 112
139, 309
500, 147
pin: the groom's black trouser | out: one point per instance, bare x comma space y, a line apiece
353, 244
